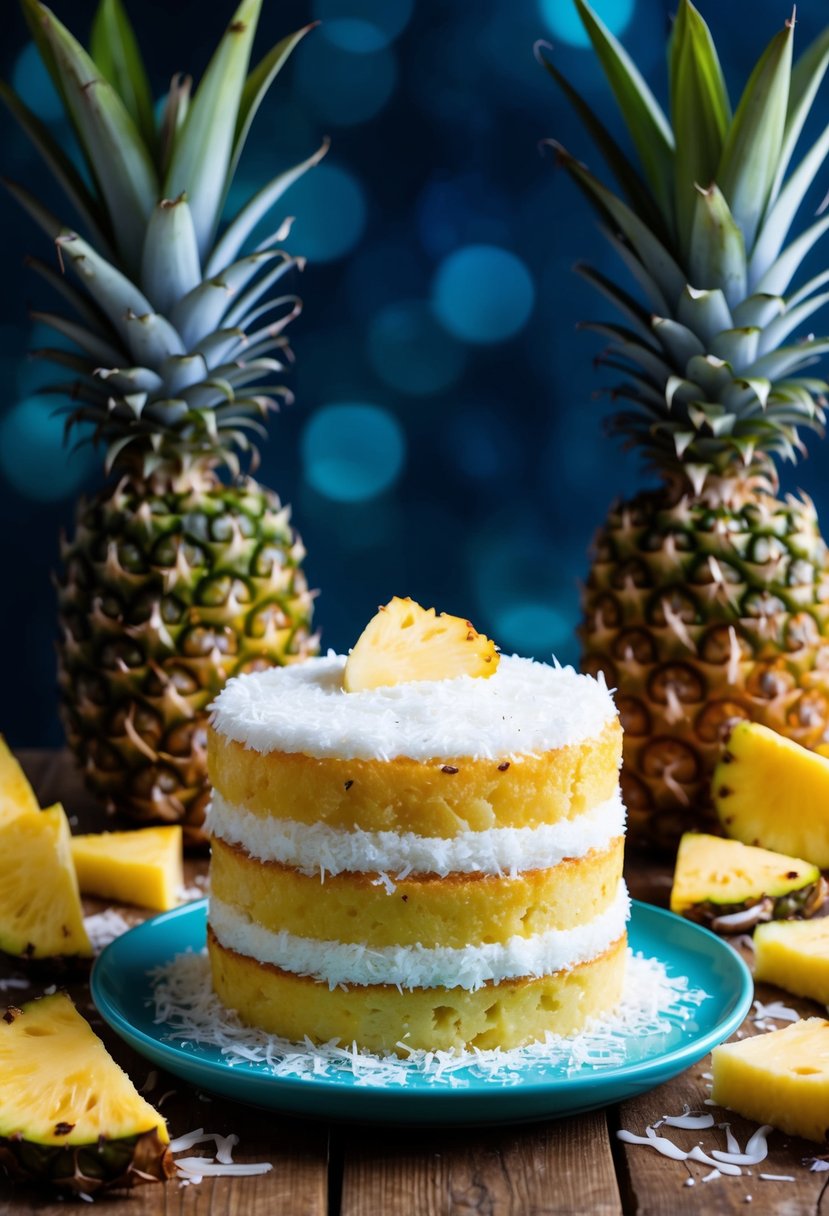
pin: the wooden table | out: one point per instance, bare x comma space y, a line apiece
571, 1165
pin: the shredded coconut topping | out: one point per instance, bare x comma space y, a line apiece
525, 707
653, 1004
468, 967
318, 849
103, 928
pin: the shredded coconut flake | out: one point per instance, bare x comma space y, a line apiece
417, 966
318, 849
524, 708
775, 1011
653, 1003
104, 927
777, 1177
7, 985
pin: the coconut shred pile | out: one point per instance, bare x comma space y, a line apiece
653, 1003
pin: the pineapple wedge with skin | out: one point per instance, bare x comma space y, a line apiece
795, 957
407, 642
142, 867
781, 1078
730, 886
69, 1116
770, 791
16, 794
40, 904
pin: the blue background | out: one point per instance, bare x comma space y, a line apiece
446, 441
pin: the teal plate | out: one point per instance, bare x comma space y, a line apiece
122, 991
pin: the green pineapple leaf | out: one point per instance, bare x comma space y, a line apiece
717, 255
700, 113
648, 126
115, 51
807, 77
748, 166
170, 261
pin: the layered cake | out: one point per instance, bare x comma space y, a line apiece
431, 863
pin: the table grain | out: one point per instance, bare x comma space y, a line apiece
572, 1165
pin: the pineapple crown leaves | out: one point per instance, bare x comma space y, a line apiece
708, 349
176, 322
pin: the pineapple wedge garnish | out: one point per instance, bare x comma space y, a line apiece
16, 795
730, 886
40, 905
794, 955
405, 642
141, 867
781, 1078
770, 791
69, 1116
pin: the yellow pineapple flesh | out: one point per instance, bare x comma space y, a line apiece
407, 642
781, 1078
40, 905
16, 795
770, 791
142, 867
68, 1114
795, 956
716, 877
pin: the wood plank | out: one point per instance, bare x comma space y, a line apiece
555, 1168
297, 1185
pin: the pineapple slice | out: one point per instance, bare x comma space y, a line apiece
68, 1114
795, 956
716, 879
770, 791
16, 795
406, 642
141, 867
781, 1078
40, 906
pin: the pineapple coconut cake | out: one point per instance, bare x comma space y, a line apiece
708, 599
175, 312
419, 846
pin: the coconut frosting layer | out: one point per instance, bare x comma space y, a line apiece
319, 849
468, 967
525, 707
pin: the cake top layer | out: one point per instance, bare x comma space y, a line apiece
525, 708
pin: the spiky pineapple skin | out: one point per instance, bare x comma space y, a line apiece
163, 596
702, 613
88, 1169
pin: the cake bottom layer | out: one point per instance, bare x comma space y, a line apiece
379, 1017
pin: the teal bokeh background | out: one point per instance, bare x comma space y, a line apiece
446, 440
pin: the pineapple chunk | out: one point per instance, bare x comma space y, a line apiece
68, 1114
795, 956
772, 792
141, 867
40, 906
16, 795
406, 642
781, 1078
715, 878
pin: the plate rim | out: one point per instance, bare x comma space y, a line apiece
580, 1084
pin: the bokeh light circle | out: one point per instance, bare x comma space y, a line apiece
33, 84
562, 18
344, 88
330, 209
362, 25
482, 293
352, 451
411, 352
33, 458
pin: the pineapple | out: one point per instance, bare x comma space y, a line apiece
781, 1078
40, 905
407, 642
730, 886
141, 867
708, 599
68, 1115
173, 579
16, 795
795, 956
768, 790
